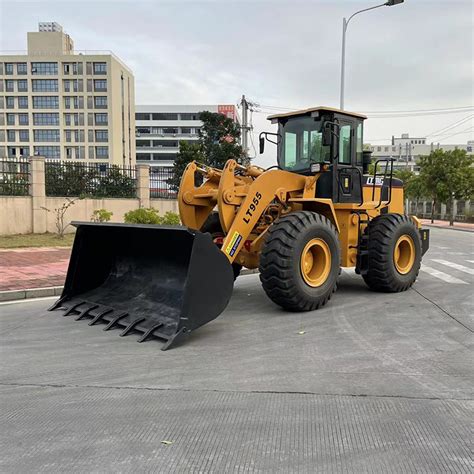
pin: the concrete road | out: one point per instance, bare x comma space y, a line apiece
370, 383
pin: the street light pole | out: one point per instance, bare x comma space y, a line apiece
345, 22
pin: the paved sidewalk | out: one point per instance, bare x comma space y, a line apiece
26, 268
445, 225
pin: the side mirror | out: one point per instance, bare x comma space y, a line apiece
262, 144
327, 134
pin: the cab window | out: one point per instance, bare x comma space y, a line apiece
345, 144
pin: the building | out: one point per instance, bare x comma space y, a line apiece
160, 129
66, 104
406, 150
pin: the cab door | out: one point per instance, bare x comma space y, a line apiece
347, 185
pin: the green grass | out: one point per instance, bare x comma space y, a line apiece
35, 240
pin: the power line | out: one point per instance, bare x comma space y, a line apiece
468, 130
448, 127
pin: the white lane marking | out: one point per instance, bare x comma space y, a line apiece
456, 266
441, 275
444, 248
470, 261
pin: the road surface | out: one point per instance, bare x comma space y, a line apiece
370, 383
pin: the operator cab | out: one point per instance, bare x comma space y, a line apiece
311, 140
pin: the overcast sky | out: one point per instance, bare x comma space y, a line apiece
280, 53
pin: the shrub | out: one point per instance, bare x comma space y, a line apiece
101, 215
142, 216
151, 216
170, 218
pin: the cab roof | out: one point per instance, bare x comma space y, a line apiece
315, 109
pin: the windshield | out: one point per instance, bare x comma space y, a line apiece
301, 144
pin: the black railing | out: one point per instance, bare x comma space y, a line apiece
14, 177
89, 180
160, 183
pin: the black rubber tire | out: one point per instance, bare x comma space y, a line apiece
213, 226
280, 271
383, 232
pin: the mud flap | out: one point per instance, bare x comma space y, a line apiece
159, 281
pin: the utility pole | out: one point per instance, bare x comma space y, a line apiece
246, 127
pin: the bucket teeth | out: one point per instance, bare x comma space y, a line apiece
85, 312
149, 332
117, 318
100, 315
131, 326
74, 308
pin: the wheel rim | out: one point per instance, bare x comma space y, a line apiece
404, 254
315, 262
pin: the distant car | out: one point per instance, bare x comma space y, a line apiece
160, 188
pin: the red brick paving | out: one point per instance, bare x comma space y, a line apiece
28, 268
445, 224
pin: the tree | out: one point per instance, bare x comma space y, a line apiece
187, 152
446, 175
219, 139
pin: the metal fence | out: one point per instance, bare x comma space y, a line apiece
161, 183
97, 180
14, 177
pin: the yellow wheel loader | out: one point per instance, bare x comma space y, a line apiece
299, 222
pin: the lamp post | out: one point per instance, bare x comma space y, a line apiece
345, 22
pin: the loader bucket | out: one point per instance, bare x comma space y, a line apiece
159, 281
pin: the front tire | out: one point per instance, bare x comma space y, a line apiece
394, 253
300, 261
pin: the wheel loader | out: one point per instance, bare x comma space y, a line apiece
317, 210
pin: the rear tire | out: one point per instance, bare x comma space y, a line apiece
300, 261
213, 226
394, 253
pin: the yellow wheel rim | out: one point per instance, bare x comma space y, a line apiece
315, 262
404, 254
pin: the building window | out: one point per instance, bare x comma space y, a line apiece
170, 131
165, 144
46, 135
45, 85
101, 136
100, 102
143, 157
46, 119
9, 68
10, 119
10, 135
48, 69
48, 151
101, 119
164, 156
101, 152
21, 69
10, 85
45, 102
186, 131
100, 85
23, 119
24, 135
22, 102
100, 68
187, 116
22, 85
165, 116
10, 102
140, 116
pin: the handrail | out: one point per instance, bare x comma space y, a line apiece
386, 161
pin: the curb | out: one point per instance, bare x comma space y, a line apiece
13, 295
448, 228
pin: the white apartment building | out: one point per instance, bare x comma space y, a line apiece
160, 129
65, 104
406, 150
